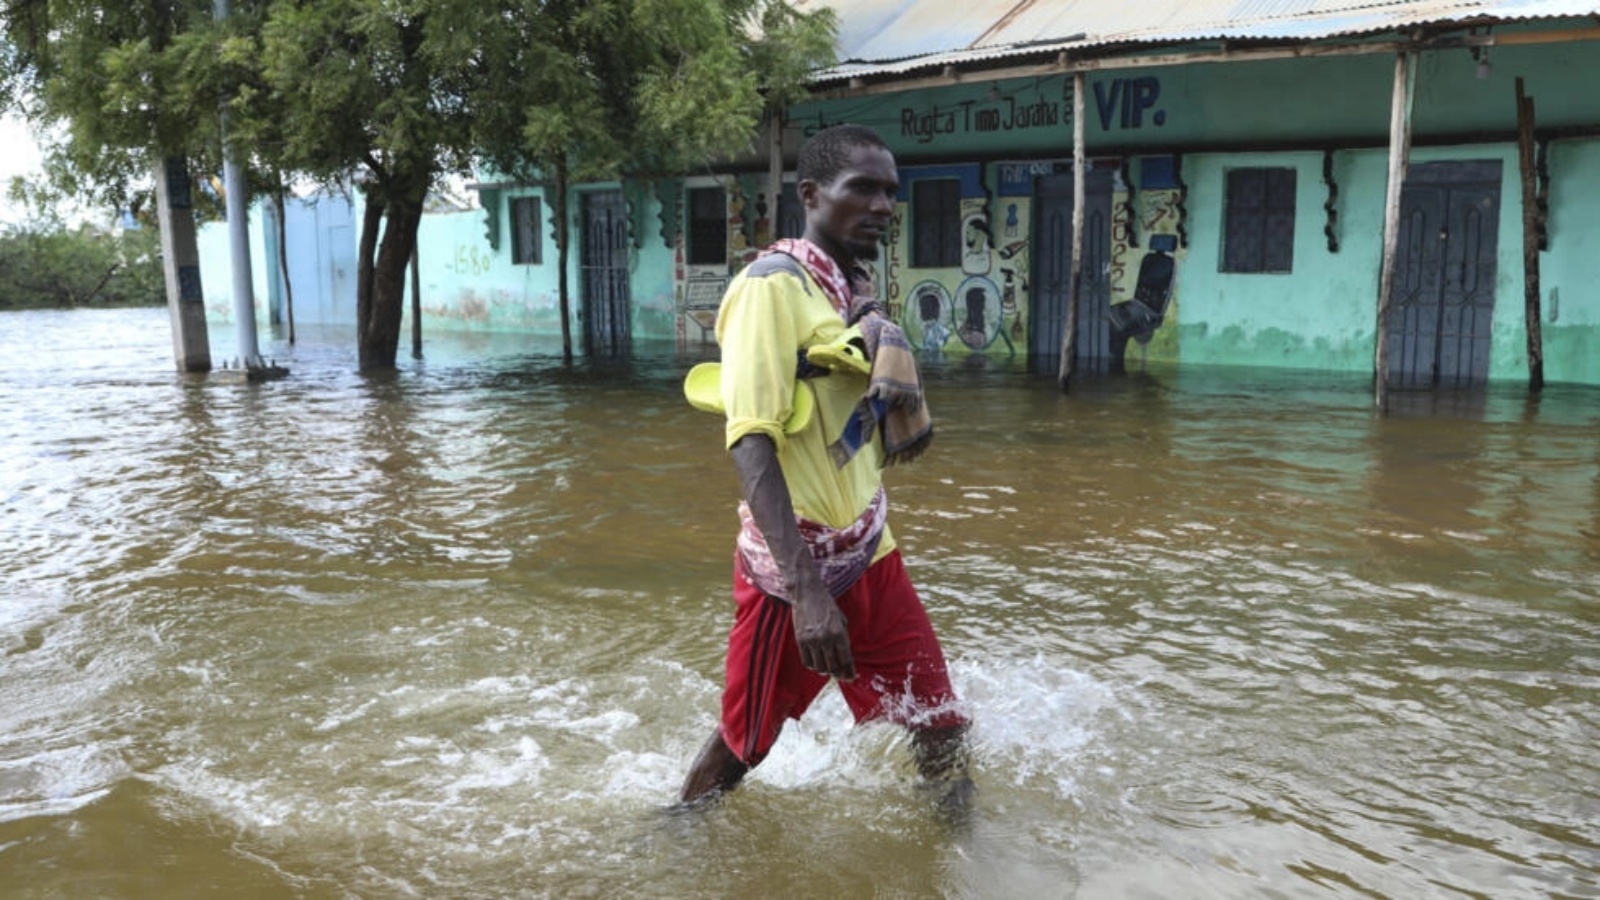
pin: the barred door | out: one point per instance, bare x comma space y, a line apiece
603, 259
1052, 269
1442, 314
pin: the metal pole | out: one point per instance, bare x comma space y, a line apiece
1069, 333
1405, 80
238, 211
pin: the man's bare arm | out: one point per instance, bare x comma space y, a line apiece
819, 628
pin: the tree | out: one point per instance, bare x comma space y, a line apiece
93, 74
587, 91
45, 263
392, 94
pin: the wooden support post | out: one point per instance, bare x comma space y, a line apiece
774, 172
1069, 332
1530, 240
1405, 81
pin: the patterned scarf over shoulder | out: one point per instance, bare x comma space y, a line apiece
893, 401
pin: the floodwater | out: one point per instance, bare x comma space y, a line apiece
457, 632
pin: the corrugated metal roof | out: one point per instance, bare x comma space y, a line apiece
896, 36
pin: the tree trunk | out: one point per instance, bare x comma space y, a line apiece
371, 221
416, 306
283, 260
384, 297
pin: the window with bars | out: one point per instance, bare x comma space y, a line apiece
708, 227
1258, 224
936, 223
528, 249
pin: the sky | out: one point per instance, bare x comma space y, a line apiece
19, 155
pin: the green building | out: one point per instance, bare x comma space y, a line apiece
1235, 183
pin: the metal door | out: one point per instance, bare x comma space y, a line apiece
791, 215
603, 259
1442, 311
1052, 269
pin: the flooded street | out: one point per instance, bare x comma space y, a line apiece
457, 632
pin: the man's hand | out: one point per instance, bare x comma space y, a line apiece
824, 638
819, 628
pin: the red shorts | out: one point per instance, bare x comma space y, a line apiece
900, 670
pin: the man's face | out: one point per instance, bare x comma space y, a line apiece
849, 216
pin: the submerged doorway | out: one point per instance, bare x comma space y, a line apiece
1441, 317
603, 262
1052, 270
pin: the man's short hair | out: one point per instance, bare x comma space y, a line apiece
828, 151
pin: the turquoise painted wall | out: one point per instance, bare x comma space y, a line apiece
469, 286
652, 278
1021, 115
216, 271
1190, 107
1323, 314
472, 286
1569, 275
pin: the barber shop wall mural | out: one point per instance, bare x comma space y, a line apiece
1147, 240
953, 276
960, 262
957, 270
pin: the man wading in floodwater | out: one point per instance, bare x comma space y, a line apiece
819, 587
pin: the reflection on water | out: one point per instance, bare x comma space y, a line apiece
457, 632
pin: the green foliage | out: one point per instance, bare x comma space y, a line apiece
48, 266
395, 93
608, 88
402, 89
119, 81
789, 46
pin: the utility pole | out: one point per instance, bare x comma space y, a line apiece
180, 264
238, 212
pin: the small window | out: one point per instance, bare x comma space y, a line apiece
1258, 231
708, 227
936, 228
529, 247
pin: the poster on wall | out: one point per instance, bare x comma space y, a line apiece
928, 316
969, 302
978, 307
1146, 248
974, 238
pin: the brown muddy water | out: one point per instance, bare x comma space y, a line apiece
457, 632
